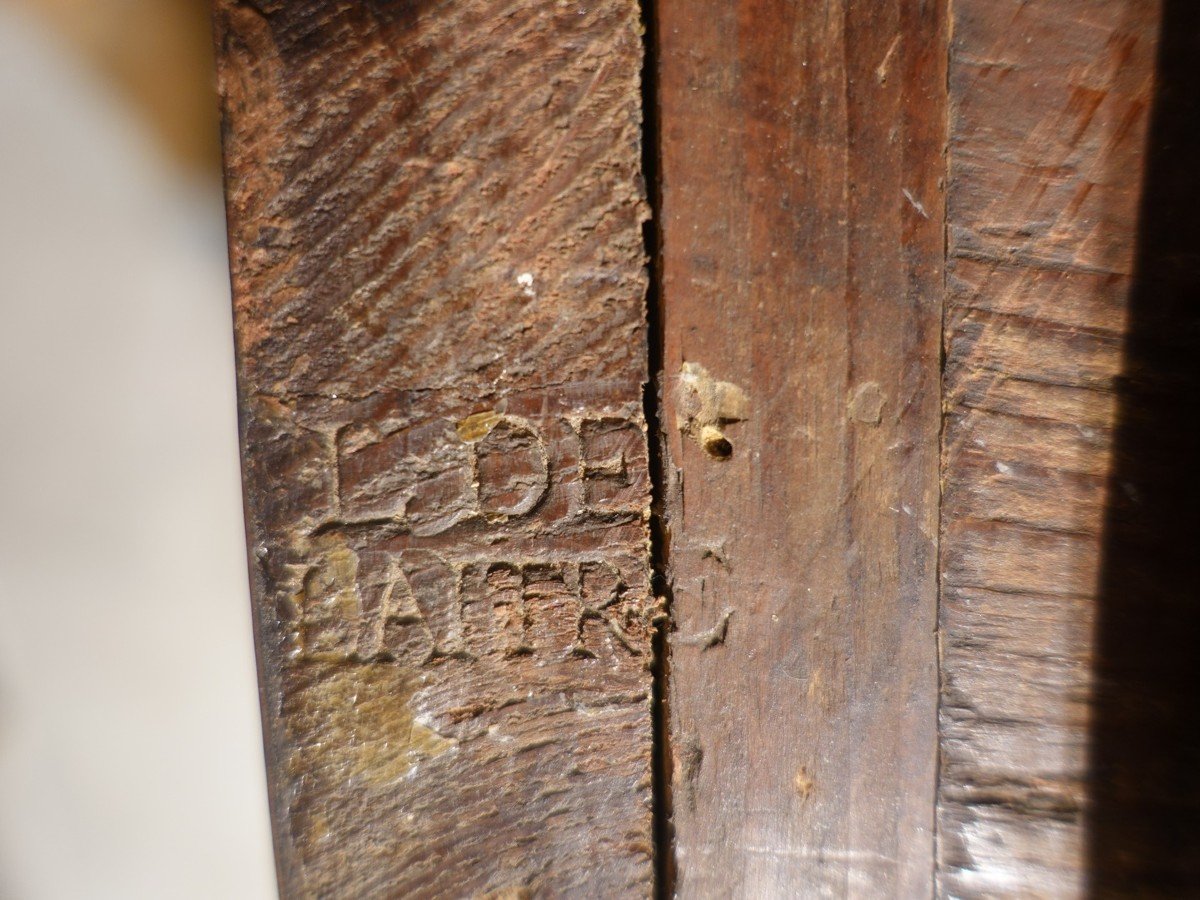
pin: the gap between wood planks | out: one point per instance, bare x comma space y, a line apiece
664, 851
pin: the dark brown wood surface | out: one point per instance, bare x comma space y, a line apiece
435, 217
1050, 103
926, 318
801, 243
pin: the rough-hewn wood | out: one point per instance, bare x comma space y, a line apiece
802, 246
1050, 102
435, 216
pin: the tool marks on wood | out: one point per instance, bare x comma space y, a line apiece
435, 217
436, 240
1050, 105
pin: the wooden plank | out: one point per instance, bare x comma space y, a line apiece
802, 249
435, 220
1050, 101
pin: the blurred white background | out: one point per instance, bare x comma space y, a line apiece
130, 750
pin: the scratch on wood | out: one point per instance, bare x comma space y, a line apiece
712, 637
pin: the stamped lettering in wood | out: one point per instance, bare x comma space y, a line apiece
435, 227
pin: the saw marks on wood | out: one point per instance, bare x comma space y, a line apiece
435, 218
1050, 102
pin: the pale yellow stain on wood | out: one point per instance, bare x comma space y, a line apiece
477, 426
706, 406
357, 720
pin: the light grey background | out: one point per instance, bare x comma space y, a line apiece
130, 751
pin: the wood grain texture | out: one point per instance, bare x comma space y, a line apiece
435, 215
802, 248
1050, 101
